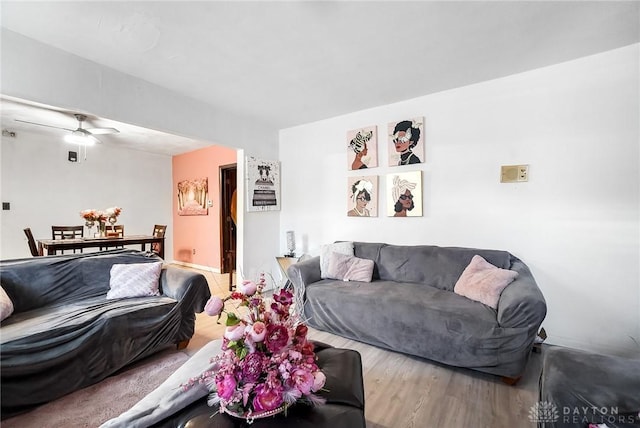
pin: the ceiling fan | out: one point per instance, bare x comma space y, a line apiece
82, 136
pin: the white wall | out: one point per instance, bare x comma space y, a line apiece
575, 223
37, 72
44, 189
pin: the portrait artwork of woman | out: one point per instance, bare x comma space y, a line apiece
362, 148
405, 140
361, 192
404, 194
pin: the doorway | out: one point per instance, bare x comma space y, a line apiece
228, 181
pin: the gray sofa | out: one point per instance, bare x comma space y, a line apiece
65, 335
410, 307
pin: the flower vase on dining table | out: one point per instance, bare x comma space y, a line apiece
103, 229
89, 225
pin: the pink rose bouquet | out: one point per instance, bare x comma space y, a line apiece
267, 364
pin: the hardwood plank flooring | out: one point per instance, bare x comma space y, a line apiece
409, 392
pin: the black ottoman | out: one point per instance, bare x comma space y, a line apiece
344, 407
579, 387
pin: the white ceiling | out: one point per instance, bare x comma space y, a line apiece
288, 63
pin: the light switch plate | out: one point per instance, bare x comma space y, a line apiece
514, 173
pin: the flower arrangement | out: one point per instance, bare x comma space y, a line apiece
91, 215
267, 364
113, 212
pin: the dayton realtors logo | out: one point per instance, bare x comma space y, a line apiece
543, 411
548, 412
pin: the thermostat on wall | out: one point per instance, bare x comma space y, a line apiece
514, 173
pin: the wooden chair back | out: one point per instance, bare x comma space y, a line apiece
67, 232
32, 242
158, 231
115, 230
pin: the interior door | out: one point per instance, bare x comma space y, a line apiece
228, 174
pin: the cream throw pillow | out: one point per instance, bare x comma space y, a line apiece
134, 280
483, 282
345, 248
349, 268
6, 305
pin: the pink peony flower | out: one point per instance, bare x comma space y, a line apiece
248, 288
252, 367
257, 331
266, 398
318, 381
226, 386
303, 380
234, 332
276, 338
283, 297
214, 306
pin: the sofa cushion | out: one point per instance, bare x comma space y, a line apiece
6, 306
326, 250
438, 267
349, 268
410, 318
483, 282
134, 280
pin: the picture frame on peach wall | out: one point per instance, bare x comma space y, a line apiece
192, 196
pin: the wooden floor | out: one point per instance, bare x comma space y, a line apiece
403, 391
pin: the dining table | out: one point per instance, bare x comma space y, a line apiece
52, 246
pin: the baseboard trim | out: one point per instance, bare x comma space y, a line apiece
195, 266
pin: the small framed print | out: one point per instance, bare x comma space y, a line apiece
362, 195
406, 142
362, 149
404, 194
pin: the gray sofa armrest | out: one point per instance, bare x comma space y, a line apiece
302, 274
183, 285
521, 304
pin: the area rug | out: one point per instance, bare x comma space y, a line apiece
96, 404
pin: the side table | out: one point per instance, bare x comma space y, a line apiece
284, 263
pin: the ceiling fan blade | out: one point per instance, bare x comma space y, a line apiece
42, 124
102, 131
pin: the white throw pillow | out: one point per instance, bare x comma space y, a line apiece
6, 305
134, 280
483, 282
345, 248
349, 268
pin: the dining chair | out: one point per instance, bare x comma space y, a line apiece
67, 232
32, 242
158, 231
116, 230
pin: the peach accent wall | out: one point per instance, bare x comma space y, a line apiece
201, 233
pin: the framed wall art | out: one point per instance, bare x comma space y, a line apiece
406, 142
404, 194
263, 184
192, 196
362, 196
362, 151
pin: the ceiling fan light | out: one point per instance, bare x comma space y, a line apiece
81, 138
